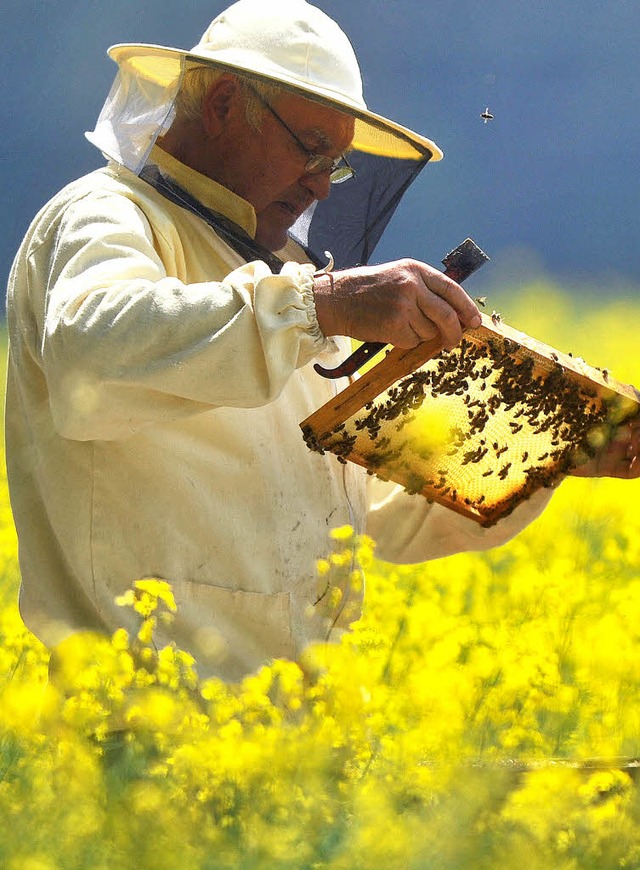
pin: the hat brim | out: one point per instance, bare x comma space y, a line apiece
374, 134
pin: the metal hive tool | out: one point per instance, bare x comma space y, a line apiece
477, 429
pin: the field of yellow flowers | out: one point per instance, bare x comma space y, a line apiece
484, 712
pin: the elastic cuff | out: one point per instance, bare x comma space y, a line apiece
307, 272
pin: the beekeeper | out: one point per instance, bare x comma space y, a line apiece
164, 312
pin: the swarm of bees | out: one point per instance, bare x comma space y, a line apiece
516, 420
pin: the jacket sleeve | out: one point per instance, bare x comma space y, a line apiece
407, 529
125, 343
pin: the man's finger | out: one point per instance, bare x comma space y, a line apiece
437, 312
453, 294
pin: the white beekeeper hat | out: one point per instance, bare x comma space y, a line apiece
287, 42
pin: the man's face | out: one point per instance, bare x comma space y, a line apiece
267, 166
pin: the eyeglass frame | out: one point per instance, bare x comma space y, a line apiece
316, 163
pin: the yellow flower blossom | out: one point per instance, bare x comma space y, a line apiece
482, 712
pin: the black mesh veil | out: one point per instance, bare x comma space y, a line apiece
351, 221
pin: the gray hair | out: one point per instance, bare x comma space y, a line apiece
198, 80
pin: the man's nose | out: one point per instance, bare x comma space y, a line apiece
317, 183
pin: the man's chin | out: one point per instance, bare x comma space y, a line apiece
271, 239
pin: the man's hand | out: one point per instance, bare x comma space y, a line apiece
402, 303
621, 458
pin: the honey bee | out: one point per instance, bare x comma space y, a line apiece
504, 471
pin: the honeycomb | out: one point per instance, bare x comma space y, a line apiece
479, 428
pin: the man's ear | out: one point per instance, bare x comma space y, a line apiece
221, 103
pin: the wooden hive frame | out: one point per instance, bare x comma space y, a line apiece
525, 414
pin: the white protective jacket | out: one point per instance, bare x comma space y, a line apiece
156, 385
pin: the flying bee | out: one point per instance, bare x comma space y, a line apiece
495, 317
481, 300
486, 115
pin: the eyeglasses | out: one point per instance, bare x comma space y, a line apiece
338, 168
